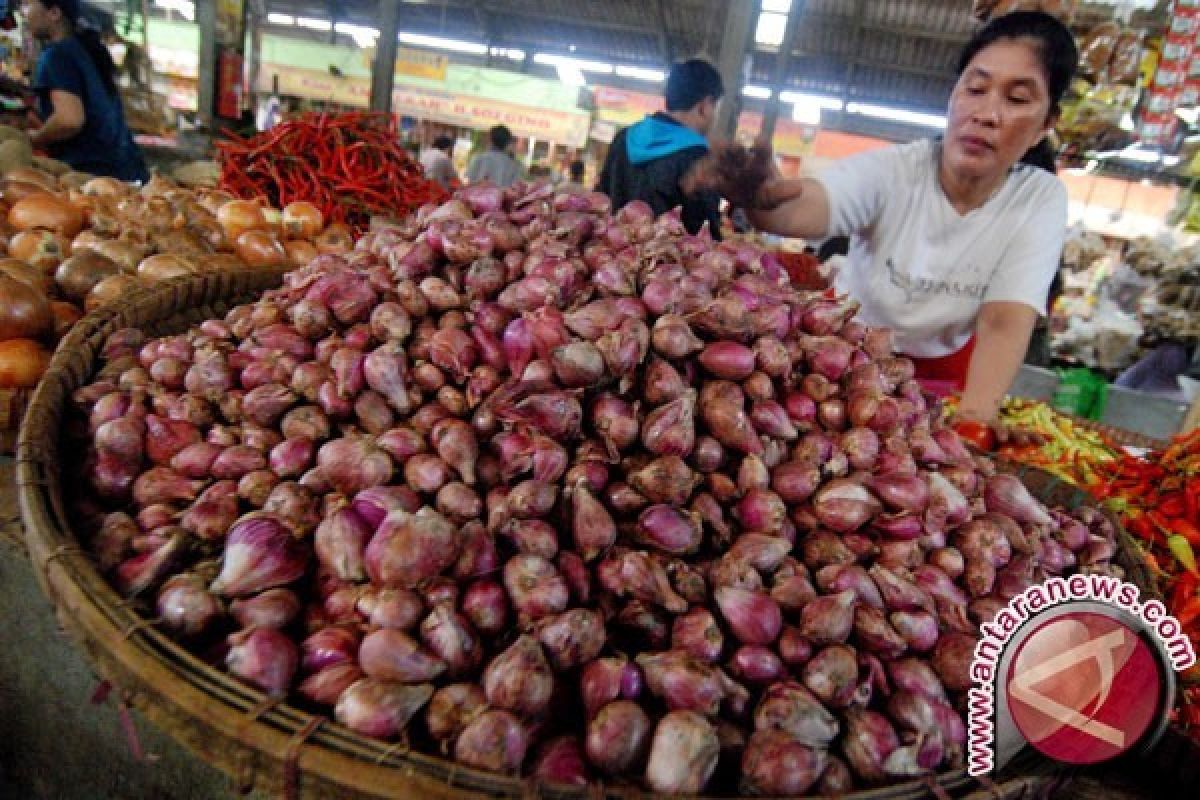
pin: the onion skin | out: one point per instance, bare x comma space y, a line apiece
519, 679
870, 739
683, 754
391, 655
263, 657
696, 633
185, 606
790, 708
274, 608
775, 764
260, 552
22, 363
617, 737
410, 548
451, 708
495, 740
381, 709
754, 618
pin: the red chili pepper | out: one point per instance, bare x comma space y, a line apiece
1187, 530
1189, 612
1171, 505
1182, 590
349, 165
1141, 527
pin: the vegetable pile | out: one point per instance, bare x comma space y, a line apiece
72, 243
569, 495
1158, 499
350, 165
1068, 450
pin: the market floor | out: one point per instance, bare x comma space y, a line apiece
57, 744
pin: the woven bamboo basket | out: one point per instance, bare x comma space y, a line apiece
1121, 436
13, 403
266, 746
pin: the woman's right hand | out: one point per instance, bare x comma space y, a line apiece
748, 179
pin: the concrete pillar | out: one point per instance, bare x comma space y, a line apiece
783, 60
731, 62
206, 21
384, 68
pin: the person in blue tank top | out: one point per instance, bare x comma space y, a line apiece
83, 122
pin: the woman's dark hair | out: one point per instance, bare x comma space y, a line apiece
576, 169
443, 142
690, 82
89, 37
500, 136
1055, 47
1041, 155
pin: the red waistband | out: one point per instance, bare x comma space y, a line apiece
948, 369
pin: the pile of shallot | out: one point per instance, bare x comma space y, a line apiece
569, 495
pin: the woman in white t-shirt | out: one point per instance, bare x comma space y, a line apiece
954, 242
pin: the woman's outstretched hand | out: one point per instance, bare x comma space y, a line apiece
747, 178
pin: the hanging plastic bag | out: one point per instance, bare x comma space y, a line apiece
1081, 392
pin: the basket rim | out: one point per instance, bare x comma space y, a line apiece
269, 744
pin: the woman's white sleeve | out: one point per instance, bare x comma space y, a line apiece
1031, 260
856, 189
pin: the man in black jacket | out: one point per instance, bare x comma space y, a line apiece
646, 161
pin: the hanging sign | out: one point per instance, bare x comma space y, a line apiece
414, 63
563, 127
231, 23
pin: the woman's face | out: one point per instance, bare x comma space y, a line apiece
999, 109
38, 19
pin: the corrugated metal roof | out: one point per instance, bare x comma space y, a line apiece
898, 52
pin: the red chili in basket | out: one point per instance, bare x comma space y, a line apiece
350, 165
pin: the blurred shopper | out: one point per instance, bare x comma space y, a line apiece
83, 121
495, 164
647, 160
574, 182
437, 163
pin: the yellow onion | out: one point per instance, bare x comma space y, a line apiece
111, 288
336, 239
65, 315
24, 310
33, 175
48, 212
22, 363
79, 274
27, 273
121, 252
238, 216
158, 185
86, 240
42, 249
211, 200
162, 267
300, 252
302, 220
260, 249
